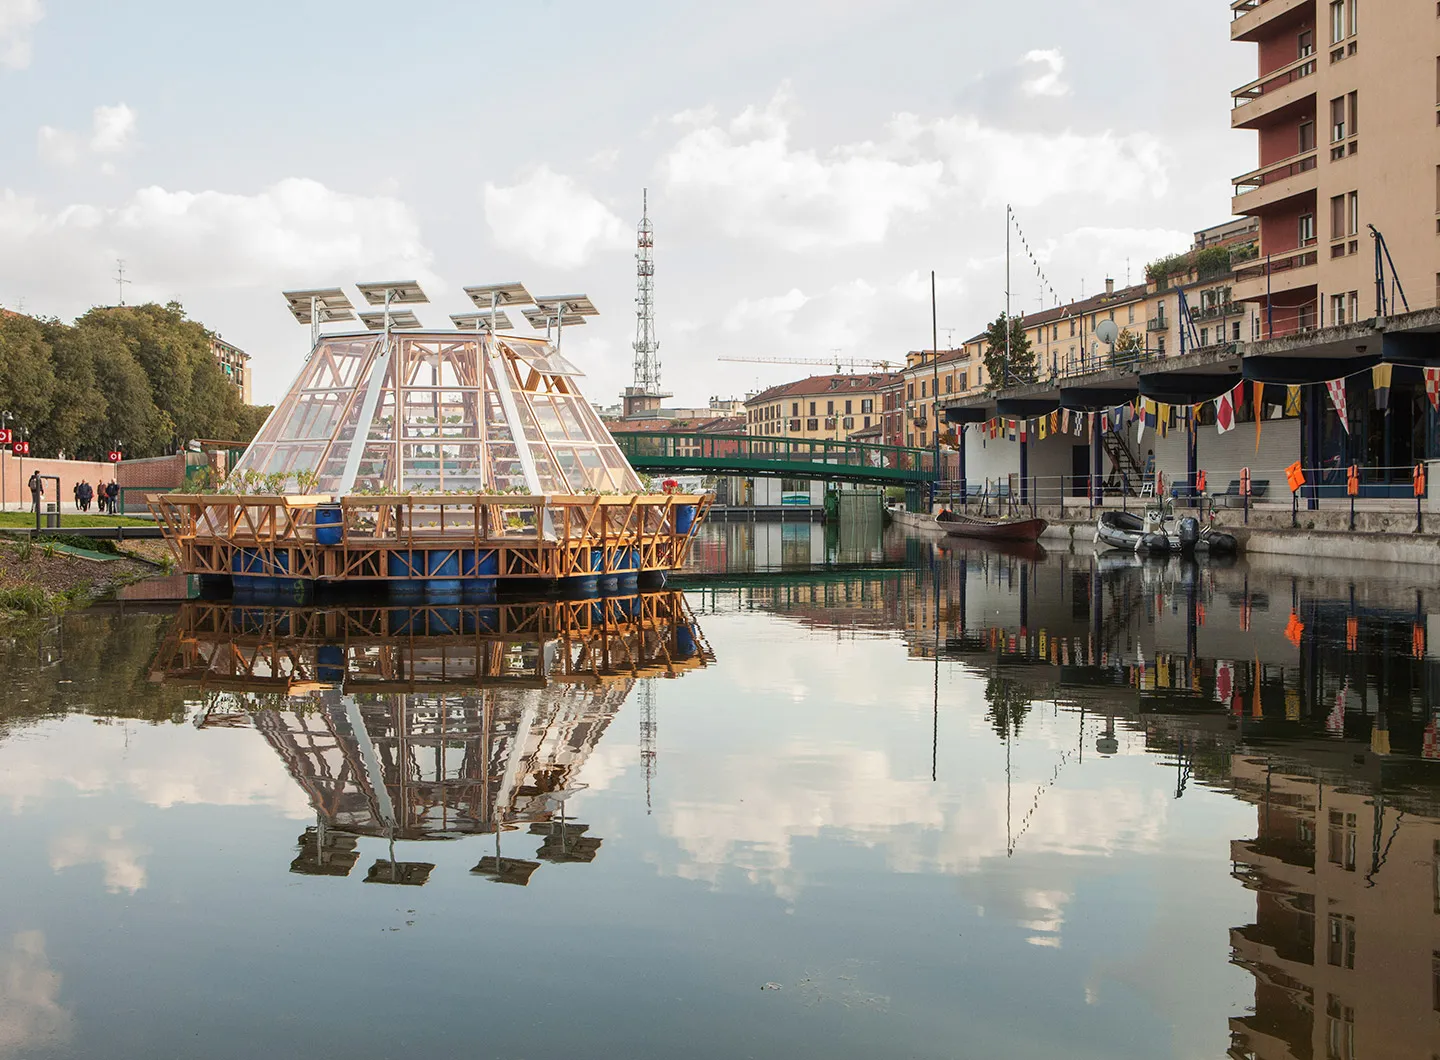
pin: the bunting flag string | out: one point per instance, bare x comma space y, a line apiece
1432, 386
1224, 413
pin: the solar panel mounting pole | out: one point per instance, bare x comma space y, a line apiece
378, 371
512, 413
314, 325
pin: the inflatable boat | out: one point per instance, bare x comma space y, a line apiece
1153, 534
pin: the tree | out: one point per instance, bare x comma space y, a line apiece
1014, 368
1127, 346
1007, 705
27, 377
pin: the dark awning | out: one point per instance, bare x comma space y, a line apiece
1186, 388
1095, 399
1026, 406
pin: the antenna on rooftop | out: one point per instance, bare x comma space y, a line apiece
645, 395
120, 280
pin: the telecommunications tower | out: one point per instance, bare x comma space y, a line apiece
645, 396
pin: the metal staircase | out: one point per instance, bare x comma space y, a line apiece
1124, 460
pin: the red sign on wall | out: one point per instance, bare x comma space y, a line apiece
6, 436
114, 456
20, 448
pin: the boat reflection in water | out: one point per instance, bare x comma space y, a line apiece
432, 722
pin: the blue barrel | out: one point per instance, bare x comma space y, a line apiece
330, 662
328, 520
443, 569
684, 642
684, 518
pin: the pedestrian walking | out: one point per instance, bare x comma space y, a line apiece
75, 494
87, 492
100, 498
37, 489
112, 494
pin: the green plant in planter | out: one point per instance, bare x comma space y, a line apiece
307, 481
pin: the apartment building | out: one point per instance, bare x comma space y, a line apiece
1343, 95
930, 376
235, 363
827, 407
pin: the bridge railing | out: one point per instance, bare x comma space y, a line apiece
754, 452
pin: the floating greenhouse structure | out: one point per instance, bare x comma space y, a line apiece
434, 461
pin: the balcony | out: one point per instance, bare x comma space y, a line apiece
1270, 94
1218, 311
1252, 20
1157, 324
1276, 182
1286, 271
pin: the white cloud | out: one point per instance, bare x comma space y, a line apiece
119, 859
1047, 80
295, 231
17, 19
31, 1016
110, 131
755, 184
550, 218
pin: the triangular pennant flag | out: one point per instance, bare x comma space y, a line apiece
1336, 388
1259, 411
1380, 380
1432, 386
1224, 413
1292, 400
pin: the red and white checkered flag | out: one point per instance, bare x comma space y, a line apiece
1432, 386
1336, 387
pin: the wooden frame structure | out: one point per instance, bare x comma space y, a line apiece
415, 536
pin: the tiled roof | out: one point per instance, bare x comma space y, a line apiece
820, 385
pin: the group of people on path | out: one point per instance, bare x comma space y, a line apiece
106, 495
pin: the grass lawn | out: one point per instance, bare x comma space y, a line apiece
24, 519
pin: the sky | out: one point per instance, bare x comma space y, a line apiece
807, 163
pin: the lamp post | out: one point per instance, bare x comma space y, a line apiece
5, 418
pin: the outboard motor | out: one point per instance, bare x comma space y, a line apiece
1188, 529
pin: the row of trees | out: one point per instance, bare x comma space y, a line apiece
143, 376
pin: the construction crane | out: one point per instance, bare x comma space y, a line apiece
838, 362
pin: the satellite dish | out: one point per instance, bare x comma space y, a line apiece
1107, 332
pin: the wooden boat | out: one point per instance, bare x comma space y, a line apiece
957, 525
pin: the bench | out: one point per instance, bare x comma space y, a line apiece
1231, 497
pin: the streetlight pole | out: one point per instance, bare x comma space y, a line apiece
935, 390
5, 417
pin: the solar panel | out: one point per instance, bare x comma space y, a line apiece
504, 294
578, 304
541, 318
399, 318
482, 321
399, 290
330, 304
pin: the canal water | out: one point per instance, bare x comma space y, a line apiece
843, 794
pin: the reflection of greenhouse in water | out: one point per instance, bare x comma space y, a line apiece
432, 722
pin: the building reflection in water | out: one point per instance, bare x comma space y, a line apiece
424, 723
1312, 698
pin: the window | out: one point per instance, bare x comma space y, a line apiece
1339, 1030
847, 406
1352, 213
1337, 22
1236, 335
867, 421
1072, 329
1160, 345
1337, 309
1337, 119
1337, 209
794, 408
1340, 944
1342, 840
923, 384
1305, 43
1307, 229
812, 425
1204, 337
1055, 328
829, 408
1307, 136
910, 392
1354, 305
867, 404
1352, 102
949, 384
812, 411
962, 376
848, 422
795, 425
922, 439
1132, 313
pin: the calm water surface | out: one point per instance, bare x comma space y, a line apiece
843, 796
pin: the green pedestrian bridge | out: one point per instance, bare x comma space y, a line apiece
744, 454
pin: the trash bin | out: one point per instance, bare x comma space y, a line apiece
52, 515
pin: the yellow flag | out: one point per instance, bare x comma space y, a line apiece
1292, 401
1259, 411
